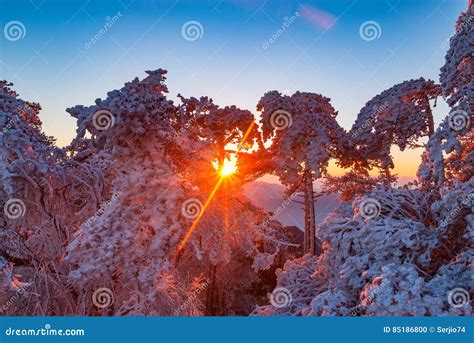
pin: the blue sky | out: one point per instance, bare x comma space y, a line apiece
321, 51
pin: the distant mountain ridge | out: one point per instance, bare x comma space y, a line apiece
270, 197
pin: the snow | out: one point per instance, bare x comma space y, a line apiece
106, 212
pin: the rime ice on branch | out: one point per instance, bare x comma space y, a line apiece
417, 250
305, 136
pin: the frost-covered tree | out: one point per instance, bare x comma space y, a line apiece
96, 228
128, 245
397, 263
232, 249
44, 196
400, 251
157, 161
228, 235
452, 137
398, 116
304, 136
352, 184
220, 129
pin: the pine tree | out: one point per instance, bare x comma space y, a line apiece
405, 250
304, 136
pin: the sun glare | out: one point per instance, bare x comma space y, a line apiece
228, 168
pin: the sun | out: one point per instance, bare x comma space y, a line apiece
228, 168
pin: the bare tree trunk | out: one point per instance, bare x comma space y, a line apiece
306, 220
310, 217
430, 122
212, 296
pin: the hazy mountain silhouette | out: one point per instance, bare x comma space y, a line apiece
270, 197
